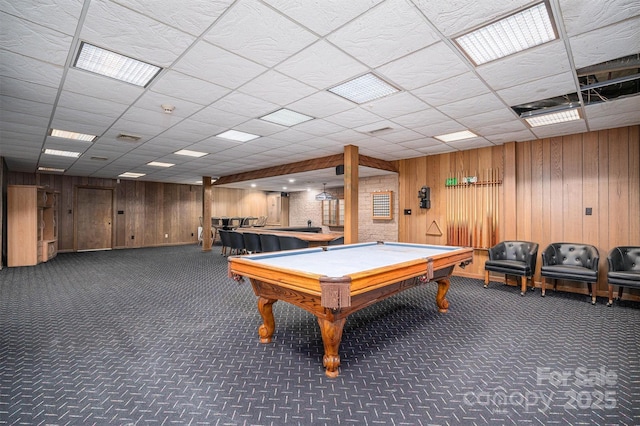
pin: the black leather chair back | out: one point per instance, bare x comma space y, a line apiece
237, 242
571, 254
269, 242
252, 242
292, 243
624, 258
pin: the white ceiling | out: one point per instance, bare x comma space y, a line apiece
226, 63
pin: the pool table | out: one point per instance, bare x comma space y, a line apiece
333, 282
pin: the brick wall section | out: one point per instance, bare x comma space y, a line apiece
376, 230
304, 207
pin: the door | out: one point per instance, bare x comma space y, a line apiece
93, 219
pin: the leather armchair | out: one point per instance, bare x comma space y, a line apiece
572, 262
624, 269
516, 258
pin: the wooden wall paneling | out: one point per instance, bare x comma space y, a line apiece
634, 185
417, 230
618, 187
556, 231
603, 208
590, 178
537, 196
570, 167
436, 178
523, 190
572, 210
634, 195
120, 225
149, 228
509, 214
171, 226
65, 215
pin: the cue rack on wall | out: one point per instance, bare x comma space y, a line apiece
473, 208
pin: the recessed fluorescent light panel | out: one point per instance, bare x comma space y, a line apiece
159, 164
234, 135
457, 136
286, 117
190, 153
131, 175
520, 31
50, 169
114, 65
62, 153
364, 89
553, 118
72, 135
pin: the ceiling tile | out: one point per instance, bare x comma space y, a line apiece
124, 31
324, 16
29, 39
455, 16
421, 118
354, 118
321, 65
189, 88
495, 117
434, 63
553, 130
24, 106
452, 89
98, 121
319, 127
215, 116
544, 88
533, 64
472, 106
210, 63
513, 136
614, 41
26, 90
587, 15
246, 105
97, 86
254, 31
82, 103
321, 104
191, 16
153, 101
27, 69
396, 105
277, 88
399, 30
59, 16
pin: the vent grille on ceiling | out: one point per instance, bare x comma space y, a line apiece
379, 131
128, 138
99, 158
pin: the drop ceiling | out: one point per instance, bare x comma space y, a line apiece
227, 63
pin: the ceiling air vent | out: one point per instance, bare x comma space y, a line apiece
379, 131
99, 158
128, 138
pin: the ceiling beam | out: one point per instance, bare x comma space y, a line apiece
304, 166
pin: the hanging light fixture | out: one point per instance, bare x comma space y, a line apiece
324, 195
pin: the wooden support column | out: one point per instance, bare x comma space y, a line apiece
207, 199
351, 181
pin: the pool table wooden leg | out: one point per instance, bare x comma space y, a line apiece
265, 307
443, 288
331, 337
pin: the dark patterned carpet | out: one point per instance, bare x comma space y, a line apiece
161, 336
